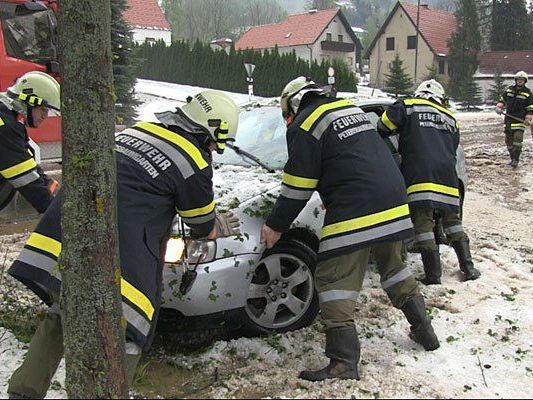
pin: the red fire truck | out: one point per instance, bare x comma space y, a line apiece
28, 42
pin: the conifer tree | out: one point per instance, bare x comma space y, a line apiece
511, 26
432, 72
496, 90
470, 93
124, 64
398, 81
464, 46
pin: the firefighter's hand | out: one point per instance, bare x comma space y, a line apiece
529, 120
269, 236
227, 224
498, 109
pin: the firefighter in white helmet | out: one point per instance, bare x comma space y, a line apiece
33, 97
517, 100
161, 168
428, 140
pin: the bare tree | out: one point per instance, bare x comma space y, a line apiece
90, 294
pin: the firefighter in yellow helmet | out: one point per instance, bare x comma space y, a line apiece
334, 149
161, 167
518, 103
27, 103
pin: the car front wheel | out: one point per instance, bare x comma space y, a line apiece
281, 296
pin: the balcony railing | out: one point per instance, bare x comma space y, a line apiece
344, 47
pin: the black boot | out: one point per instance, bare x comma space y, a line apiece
462, 249
343, 350
432, 267
421, 330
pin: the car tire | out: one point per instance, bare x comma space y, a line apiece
298, 263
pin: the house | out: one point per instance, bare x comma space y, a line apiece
314, 36
398, 35
148, 22
507, 63
221, 44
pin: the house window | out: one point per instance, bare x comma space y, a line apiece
390, 43
411, 42
149, 40
328, 37
442, 67
341, 38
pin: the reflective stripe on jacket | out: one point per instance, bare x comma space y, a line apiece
159, 171
428, 140
334, 149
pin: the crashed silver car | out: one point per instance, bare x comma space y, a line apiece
234, 278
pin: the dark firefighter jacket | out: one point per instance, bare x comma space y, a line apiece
17, 163
428, 140
518, 103
334, 149
159, 173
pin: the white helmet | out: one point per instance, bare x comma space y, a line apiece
293, 92
216, 113
37, 89
431, 89
521, 75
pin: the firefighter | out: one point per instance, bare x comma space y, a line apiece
161, 167
33, 97
334, 149
518, 103
428, 141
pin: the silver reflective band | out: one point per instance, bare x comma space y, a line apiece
424, 237
37, 260
132, 348
441, 198
365, 236
393, 280
200, 220
179, 159
332, 295
295, 194
453, 229
394, 141
432, 110
329, 118
135, 319
24, 179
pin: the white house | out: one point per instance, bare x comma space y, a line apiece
148, 22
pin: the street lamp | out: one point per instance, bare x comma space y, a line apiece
249, 71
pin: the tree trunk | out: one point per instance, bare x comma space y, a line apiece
89, 264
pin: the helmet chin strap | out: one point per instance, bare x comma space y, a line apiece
29, 117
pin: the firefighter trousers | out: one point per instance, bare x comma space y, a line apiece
33, 378
513, 140
423, 221
339, 281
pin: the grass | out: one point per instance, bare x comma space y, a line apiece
21, 322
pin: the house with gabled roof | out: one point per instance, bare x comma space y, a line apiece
313, 35
148, 22
507, 63
398, 35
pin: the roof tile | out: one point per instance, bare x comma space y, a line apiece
145, 14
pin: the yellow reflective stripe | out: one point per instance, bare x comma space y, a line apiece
2, 122
387, 122
433, 187
18, 169
518, 125
319, 111
197, 211
178, 140
524, 94
366, 221
299, 182
45, 243
412, 102
136, 297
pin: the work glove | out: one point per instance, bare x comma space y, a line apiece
227, 224
498, 110
529, 120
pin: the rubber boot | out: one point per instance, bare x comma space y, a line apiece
421, 330
344, 351
432, 267
462, 249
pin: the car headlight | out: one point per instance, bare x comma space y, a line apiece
198, 251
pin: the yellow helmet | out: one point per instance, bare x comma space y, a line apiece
217, 113
37, 89
294, 88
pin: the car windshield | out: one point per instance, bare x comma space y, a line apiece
262, 133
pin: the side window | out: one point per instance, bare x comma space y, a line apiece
341, 38
411, 42
390, 43
442, 67
328, 37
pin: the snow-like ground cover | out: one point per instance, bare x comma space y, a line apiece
485, 326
